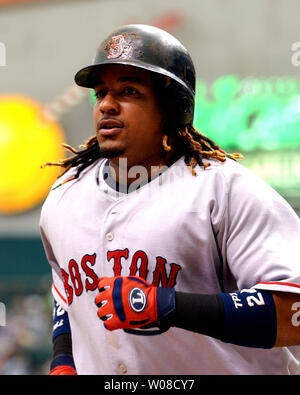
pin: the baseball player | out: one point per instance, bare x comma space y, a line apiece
168, 256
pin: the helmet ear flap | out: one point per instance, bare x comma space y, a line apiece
187, 114
178, 105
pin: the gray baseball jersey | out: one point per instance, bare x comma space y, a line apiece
220, 231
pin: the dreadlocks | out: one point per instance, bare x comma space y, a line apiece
194, 145
81, 159
197, 146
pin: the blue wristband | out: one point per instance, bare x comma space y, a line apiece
250, 316
62, 360
61, 324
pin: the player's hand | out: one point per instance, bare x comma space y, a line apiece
131, 302
63, 371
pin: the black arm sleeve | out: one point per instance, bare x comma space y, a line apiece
203, 314
62, 345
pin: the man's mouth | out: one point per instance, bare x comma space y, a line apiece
109, 127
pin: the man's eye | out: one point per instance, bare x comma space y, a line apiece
100, 94
130, 91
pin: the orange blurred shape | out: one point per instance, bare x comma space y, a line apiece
168, 21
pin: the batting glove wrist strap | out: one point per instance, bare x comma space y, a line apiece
165, 301
131, 302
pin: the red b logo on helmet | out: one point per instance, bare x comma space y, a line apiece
116, 47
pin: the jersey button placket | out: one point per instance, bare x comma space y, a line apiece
123, 368
109, 236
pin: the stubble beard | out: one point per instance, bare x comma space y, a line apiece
110, 153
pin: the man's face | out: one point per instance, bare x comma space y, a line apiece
128, 122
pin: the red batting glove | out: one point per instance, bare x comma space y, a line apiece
131, 302
63, 371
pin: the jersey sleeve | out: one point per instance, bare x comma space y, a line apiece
261, 235
58, 290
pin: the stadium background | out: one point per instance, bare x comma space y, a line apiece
248, 99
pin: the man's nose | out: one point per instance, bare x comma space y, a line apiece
109, 105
